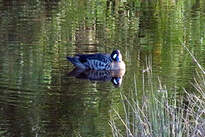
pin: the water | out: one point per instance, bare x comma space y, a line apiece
37, 95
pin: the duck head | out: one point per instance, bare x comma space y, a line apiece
117, 81
116, 56
117, 77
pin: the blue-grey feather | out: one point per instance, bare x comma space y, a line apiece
75, 61
92, 61
101, 57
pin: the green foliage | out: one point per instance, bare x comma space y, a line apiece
161, 112
37, 35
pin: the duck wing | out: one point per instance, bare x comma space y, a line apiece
95, 61
83, 58
92, 75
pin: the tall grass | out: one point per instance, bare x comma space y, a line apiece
159, 113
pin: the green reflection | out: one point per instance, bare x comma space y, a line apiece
38, 98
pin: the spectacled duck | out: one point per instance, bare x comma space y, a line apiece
115, 76
99, 61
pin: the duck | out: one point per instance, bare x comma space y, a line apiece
98, 61
114, 76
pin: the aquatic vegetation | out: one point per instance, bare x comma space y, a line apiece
161, 112
38, 98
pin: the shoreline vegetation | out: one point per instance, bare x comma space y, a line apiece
161, 112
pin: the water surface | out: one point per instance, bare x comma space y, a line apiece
39, 98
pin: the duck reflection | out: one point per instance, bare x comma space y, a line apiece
115, 76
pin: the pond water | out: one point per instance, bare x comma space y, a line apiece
38, 97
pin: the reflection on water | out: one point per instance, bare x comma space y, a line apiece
115, 76
38, 98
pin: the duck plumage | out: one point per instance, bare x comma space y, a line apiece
114, 76
98, 61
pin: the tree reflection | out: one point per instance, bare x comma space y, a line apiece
37, 96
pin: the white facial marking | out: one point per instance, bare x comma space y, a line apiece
115, 81
114, 56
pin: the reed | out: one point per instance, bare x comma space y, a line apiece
159, 113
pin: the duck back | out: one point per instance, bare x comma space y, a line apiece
98, 61
91, 61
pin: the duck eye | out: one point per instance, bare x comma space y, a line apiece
114, 56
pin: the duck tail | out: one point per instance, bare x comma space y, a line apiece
71, 59
75, 61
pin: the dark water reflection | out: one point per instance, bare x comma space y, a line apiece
115, 76
39, 98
